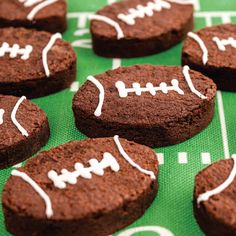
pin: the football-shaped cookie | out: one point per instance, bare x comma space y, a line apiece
34, 63
134, 28
48, 15
24, 129
153, 105
215, 198
91, 187
212, 51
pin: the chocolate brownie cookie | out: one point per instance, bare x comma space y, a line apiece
34, 63
152, 105
91, 187
212, 51
24, 129
48, 15
215, 198
135, 28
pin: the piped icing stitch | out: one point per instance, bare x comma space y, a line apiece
129, 160
221, 44
205, 196
190, 83
38, 189
201, 45
29, 3
38, 8
96, 168
98, 111
2, 111
110, 22
138, 90
142, 11
15, 50
13, 117
48, 47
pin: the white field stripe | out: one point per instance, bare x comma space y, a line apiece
226, 19
160, 158
82, 43
206, 158
182, 158
74, 86
116, 62
208, 16
212, 14
223, 125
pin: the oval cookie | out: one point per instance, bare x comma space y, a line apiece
89, 187
37, 63
48, 15
153, 105
135, 28
212, 51
214, 198
24, 129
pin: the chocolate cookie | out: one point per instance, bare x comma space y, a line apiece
153, 105
212, 51
135, 28
37, 63
215, 198
24, 129
48, 15
91, 187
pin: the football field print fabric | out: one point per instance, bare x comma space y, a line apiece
171, 212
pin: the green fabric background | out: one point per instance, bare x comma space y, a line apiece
172, 208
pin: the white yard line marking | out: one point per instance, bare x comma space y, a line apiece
182, 158
206, 158
213, 14
116, 62
226, 18
82, 43
74, 86
160, 158
81, 32
223, 125
82, 18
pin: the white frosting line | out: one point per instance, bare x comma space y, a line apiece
39, 7
205, 196
15, 50
2, 111
202, 46
96, 168
142, 11
38, 189
123, 91
13, 117
110, 22
224, 42
190, 83
131, 162
29, 3
50, 44
98, 111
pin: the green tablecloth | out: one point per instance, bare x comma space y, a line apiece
172, 208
